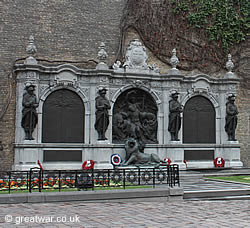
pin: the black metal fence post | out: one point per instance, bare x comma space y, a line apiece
39, 181
76, 179
176, 175
30, 174
59, 176
9, 181
42, 179
108, 178
153, 177
93, 181
172, 177
168, 175
124, 178
27, 183
139, 176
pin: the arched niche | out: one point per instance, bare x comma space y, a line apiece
199, 120
135, 115
63, 118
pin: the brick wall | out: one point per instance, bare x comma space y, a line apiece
243, 130
72, 30
63, 30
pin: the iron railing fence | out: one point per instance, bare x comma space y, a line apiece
37, 180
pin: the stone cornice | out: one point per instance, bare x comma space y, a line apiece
123, 74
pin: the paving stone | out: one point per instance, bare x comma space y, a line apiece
231, 213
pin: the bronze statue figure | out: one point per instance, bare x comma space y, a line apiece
175, 109
135, 154
29, 114
102, 116
231, 118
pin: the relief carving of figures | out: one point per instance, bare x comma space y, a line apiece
102, 116
29, 114
231, 118
175, 109
135, 116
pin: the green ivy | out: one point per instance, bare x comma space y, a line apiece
225, 21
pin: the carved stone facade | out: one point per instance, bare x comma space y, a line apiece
139, 99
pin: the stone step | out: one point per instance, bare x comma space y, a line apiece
205, 194
243, 197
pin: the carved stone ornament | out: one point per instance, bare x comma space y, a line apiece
137, 83
31, 50
31, 75
174, 62
102, 54
42, 89
66, 79
136, 56
117, 65
230, 66
155, 68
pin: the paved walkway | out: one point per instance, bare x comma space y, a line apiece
194, 181
203, 185
128, 214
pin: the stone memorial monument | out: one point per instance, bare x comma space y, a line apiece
57, 125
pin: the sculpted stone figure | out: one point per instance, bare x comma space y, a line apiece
29, 114
135, 154
231, 118
175, 108
102, 117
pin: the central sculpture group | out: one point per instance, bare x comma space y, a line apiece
135, 116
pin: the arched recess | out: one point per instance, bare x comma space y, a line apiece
135, 115
63, 118
199, 121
